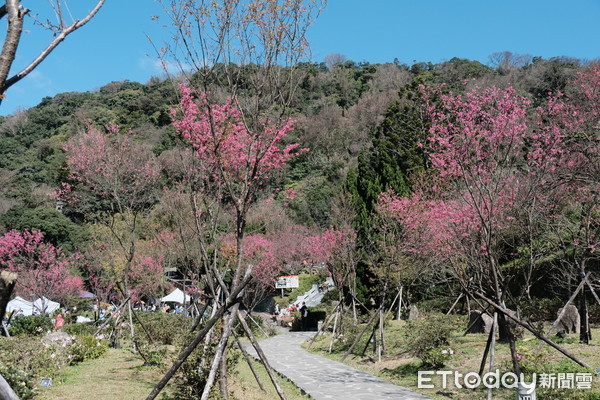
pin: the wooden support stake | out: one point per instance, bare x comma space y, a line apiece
250, 364
220, 353
6, 392
455, 303
333, 333
229, 302
564, 310
362, 354
375, 315
324, 325
587, 281
262, 357
535, 333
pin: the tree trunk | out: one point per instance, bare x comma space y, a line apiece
7, 284
585, 334
131, 328
380, 341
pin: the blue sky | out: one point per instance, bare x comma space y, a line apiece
114, 46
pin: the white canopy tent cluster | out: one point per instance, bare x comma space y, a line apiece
40, 306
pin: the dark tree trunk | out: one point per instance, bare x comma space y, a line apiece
7, 284
585, 335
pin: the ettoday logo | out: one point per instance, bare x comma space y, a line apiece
508, 380
472, 380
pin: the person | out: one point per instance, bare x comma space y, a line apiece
276, 309
304, 316
59, 322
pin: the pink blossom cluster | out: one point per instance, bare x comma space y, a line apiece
493, 156
43, 270
111, 165
231, 151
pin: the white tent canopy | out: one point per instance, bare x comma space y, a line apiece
32, 307
176, 296
19, 303
46, 305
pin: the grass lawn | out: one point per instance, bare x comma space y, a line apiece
400, 368
119, 375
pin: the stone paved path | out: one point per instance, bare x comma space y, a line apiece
324, 379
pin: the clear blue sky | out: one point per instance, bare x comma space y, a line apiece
113, 46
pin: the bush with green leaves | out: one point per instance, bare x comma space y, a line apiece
428, 339
32, 325
87, 347
86, 328
163, 328
22, 384
331, 296
35, 357
48, 356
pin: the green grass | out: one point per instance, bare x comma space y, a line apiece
118, 375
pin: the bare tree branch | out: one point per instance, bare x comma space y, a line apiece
16, 13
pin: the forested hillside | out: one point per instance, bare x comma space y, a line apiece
364, 124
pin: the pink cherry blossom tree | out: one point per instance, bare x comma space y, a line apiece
239, 134
494, 162
237, 161
116, 181
43, 270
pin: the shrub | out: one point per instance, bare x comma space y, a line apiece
87, 347
429, 340
330, 296
86, 328
154, 355
543, 309
435, 305
164, 328
22, 383
34, 357
32, 325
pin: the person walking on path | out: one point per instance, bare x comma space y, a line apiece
304, 316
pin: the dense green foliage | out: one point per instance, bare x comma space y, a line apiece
428, 339
363, 123
31, 325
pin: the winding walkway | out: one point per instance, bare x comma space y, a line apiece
323, 378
